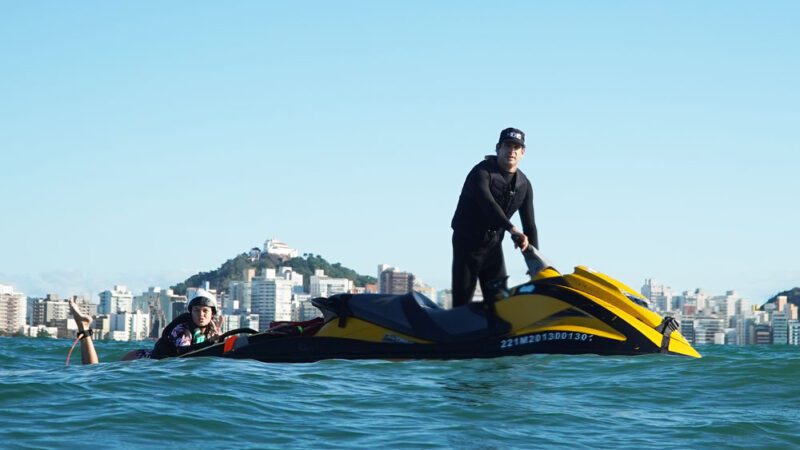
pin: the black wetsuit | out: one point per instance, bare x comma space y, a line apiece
167, 346
489, 198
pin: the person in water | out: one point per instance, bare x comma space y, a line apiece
493, 191
185, 333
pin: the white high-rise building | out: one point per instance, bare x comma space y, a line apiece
445, 298
695, 303
706, 329
781, 302
230, 322
48, 309
13, 310
794, 332
782, 305
249, 321
780, 328
426, 290
321, 285
742, 308
240, 292
130, 326
147, 301
303, 309
165, 311
724, 305
744, 330
272, 295
118, 300
660, 296
382, 268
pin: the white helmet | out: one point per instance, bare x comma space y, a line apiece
202, 297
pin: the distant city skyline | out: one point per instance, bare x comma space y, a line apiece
639, 286
662, 136
280, 295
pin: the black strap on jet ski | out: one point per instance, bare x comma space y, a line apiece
666, 327
344, 309
491, 315
496, 287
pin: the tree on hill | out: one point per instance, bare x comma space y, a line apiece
230, 270
233, 270
309, 263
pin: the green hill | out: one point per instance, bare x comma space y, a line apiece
233, 270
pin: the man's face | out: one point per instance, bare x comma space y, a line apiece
509, 154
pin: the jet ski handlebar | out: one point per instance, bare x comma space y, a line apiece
535, 261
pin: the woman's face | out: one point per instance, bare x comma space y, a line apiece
201, 315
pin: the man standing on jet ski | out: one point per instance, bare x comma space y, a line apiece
494, 190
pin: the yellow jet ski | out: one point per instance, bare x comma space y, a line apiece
582, 312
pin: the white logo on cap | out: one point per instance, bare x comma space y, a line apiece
515, 135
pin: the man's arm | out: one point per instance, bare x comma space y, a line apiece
528, 219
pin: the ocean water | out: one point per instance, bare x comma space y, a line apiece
734, 397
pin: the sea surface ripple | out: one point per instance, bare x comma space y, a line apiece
734, 397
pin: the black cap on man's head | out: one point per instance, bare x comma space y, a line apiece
513, 135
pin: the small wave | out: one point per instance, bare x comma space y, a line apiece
734, 397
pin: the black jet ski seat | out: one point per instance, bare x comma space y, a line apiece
414, 314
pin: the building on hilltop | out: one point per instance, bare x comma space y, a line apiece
279, 249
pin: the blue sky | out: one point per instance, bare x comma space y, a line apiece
142, 142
